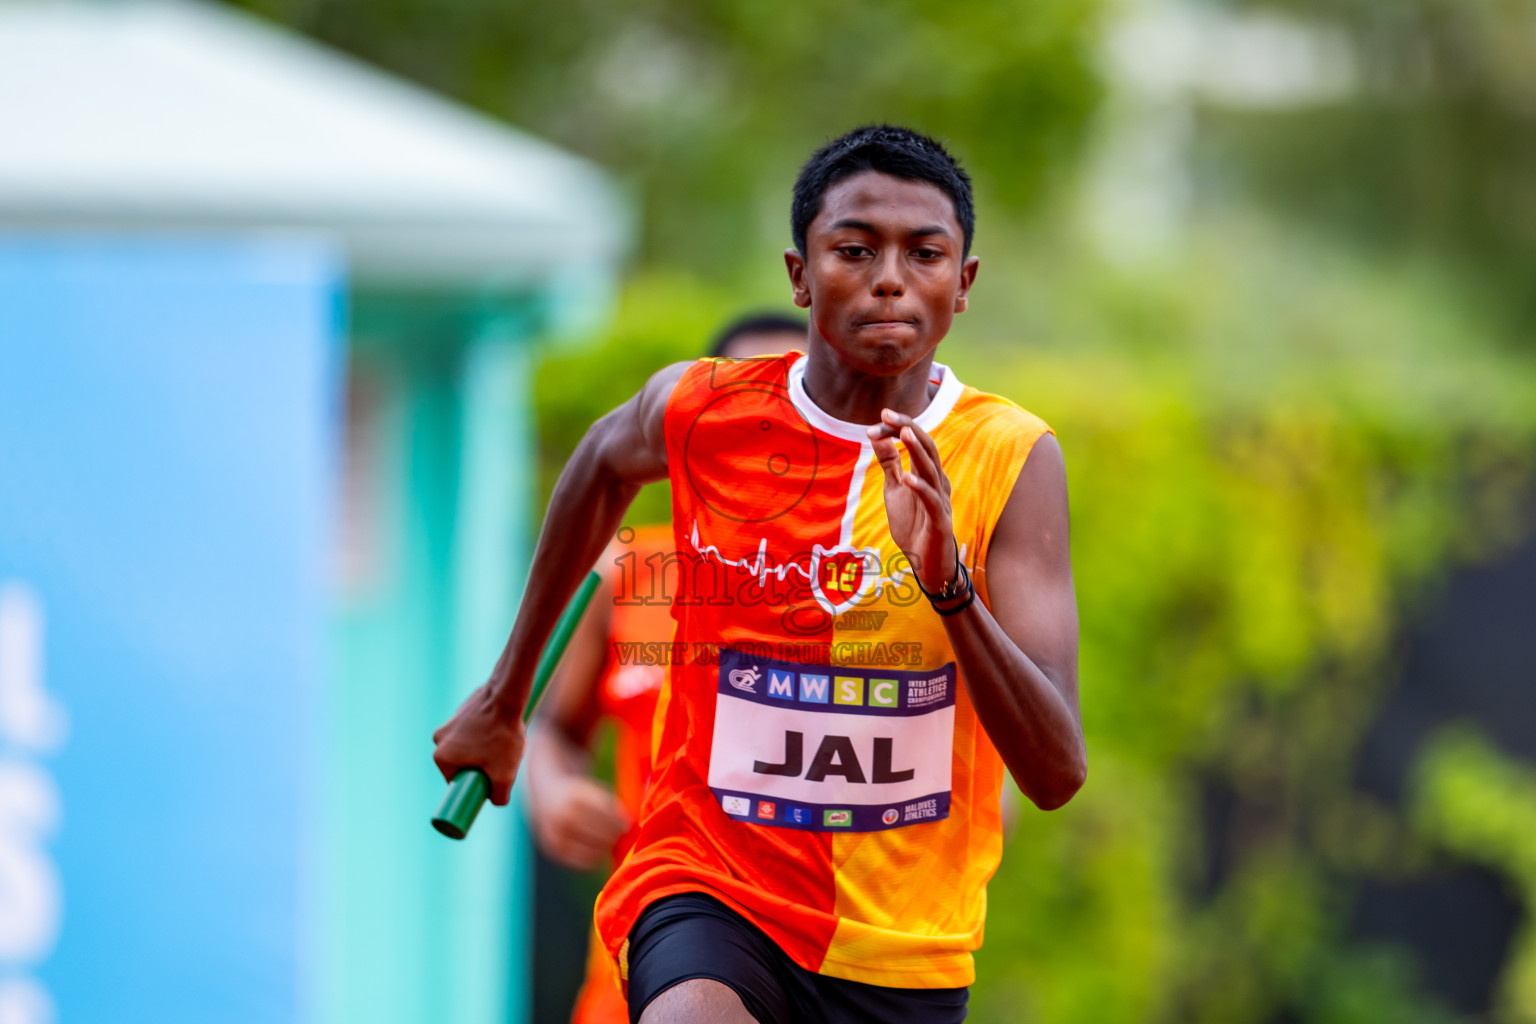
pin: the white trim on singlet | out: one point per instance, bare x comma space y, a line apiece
938, 407
855, 491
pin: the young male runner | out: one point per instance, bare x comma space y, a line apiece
577, 821
857, 654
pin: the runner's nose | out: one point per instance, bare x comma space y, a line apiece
888, 283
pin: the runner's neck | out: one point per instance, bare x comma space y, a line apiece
854, 397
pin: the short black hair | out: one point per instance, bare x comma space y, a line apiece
899, 152
757, 323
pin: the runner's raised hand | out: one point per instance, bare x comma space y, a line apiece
916, 500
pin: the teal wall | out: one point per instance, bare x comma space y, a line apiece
419, 928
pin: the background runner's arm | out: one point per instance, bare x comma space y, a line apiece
621, 452
570, 706
576, 819
1020, 658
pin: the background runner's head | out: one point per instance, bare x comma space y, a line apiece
759, 334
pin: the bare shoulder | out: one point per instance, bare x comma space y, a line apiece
631, 440
653, 397
1045, 468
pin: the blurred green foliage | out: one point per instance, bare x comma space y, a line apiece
708, 108
1435, 150
1481, 805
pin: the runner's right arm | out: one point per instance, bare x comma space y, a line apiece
576, 819
620, 453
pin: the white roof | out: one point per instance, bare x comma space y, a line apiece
177, 115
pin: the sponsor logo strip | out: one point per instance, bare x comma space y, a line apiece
856, 691
833, 817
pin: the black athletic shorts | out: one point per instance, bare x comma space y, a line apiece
691, 935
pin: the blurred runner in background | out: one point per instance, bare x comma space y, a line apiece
578, 821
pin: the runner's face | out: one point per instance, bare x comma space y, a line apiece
883, 272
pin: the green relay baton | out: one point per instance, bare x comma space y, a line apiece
469, 788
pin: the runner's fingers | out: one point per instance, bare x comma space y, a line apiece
923, 464
611, 822
899, 424
933, 502
598, 814
501, 792
888, 455
597, 831
934, 493
583, 846
931, 448
577, 853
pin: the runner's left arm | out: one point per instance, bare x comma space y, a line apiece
1019, 657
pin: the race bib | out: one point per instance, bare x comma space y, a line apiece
831, 749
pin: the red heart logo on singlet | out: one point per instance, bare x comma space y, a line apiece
842, 575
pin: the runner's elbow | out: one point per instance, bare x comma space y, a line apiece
1063, 787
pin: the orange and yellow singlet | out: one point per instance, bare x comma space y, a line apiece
818, 766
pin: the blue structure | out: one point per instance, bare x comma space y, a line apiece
267, 328
169, 434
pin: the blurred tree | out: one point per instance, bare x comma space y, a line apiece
1434, 148
1481, 804
710, 107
